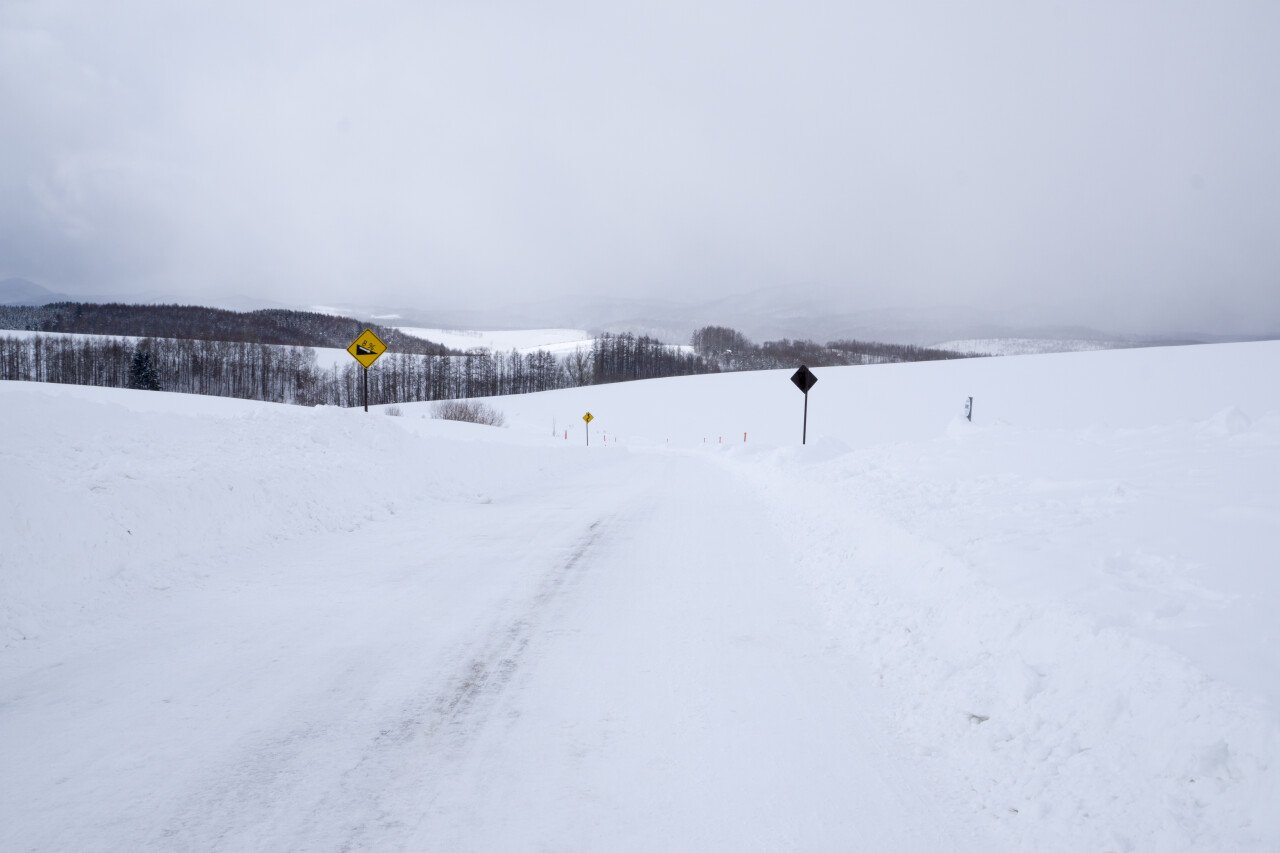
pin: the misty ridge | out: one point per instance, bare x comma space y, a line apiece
270, 355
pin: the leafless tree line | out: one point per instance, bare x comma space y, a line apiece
289, 374
281, 374
729, 349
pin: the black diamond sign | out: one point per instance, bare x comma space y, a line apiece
804, 379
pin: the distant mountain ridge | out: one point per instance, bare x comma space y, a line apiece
21, 291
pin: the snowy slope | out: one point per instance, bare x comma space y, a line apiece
522, 340
559, 341
230, 625
862, 406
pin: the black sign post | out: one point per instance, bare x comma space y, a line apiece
364, 350
804, 380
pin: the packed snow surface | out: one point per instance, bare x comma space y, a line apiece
239, 626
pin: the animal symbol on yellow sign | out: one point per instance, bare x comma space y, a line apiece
588, 417
366, 348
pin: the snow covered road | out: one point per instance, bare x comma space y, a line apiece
618, 660
678, 693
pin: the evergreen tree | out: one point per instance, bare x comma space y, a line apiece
142, 372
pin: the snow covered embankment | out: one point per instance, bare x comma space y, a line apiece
1076, 628
100, 503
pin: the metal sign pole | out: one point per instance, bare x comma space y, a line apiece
804, 380
366, 349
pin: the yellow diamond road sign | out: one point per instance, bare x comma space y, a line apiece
366, 348
588, 417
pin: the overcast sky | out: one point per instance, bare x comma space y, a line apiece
1114, 162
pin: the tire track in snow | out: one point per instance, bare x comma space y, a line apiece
489, 672
440, 729
405, 760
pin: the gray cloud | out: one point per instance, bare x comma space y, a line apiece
1110, 163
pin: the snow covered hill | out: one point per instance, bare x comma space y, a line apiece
523, 340
230, 625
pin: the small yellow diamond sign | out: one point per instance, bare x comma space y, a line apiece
588, 417
366, 348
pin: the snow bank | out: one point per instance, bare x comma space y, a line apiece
102, 503
1079, 628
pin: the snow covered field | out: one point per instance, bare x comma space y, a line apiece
522, 340
558, 341
229, 625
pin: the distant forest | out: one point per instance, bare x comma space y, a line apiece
192, 322
729, 349
268, 355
